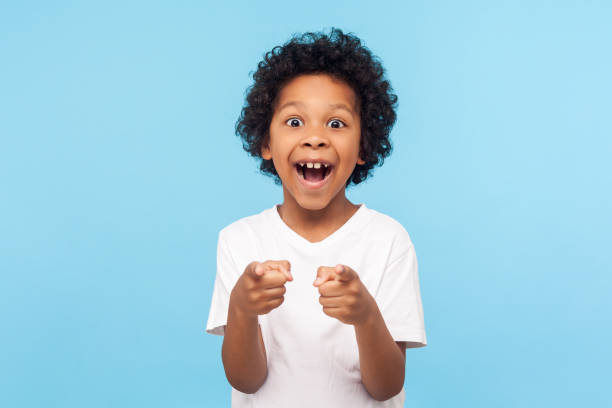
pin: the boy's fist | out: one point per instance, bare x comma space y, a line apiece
261, 287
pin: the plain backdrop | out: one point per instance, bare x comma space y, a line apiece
119, 165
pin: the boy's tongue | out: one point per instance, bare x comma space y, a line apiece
314, 174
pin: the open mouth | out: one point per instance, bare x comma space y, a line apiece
313, 174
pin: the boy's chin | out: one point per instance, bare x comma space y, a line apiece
314, 203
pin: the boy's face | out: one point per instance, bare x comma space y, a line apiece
316, 120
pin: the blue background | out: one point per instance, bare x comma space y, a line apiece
119, 165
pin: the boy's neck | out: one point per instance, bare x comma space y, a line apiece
316, 225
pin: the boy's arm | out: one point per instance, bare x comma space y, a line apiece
260, 289
381, 359
243, 352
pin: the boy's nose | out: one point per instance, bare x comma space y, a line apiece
315, 141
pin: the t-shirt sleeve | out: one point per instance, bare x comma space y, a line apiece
225, 279
399, 298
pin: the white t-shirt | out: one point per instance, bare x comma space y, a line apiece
312, 358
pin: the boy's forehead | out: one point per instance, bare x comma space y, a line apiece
330, 106
312, 89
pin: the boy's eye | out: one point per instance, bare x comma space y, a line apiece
335, 123
294, 122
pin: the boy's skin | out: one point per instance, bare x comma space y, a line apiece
314, 214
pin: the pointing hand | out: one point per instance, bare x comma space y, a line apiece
343, 295
261, 287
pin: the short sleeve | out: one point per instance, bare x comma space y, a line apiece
225, 279
399, 299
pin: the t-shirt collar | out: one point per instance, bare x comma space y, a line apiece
355, 223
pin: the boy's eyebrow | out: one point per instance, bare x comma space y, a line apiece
331, 106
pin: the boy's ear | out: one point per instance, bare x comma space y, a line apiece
265, 152
359, 159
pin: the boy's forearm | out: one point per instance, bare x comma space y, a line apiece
243, 352
381, 360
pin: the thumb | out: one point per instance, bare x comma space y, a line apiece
256, 270
344, 273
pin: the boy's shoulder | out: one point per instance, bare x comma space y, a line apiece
385, 220
386, 225
245, 225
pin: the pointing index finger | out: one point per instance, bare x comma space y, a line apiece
282, 266
285, 270
324, 274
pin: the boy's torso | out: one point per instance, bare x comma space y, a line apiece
313, 359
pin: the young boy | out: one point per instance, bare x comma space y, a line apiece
317, 298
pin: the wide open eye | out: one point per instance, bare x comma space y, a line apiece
294, 122
336, 124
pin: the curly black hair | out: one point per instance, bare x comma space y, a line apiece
341, 56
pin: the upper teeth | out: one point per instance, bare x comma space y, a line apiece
310, 165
